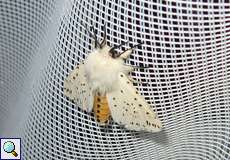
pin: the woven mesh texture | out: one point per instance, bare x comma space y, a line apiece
186, 46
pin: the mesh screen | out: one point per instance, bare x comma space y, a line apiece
186, 46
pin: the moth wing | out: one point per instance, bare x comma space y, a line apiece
130, 109
77, 89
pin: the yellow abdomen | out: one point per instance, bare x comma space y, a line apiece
101, 110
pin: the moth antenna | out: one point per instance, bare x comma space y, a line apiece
95, 37
103, 42
84, 25
91, 35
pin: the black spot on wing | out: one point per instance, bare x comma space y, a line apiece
148, 123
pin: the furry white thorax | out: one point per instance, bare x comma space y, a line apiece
102, 70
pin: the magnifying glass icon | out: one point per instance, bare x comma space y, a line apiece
9, 147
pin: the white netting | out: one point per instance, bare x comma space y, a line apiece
186, 45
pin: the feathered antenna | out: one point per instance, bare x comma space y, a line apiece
104, 41
92, 35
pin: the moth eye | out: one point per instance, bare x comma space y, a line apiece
114, 54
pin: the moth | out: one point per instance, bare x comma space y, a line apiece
102, 84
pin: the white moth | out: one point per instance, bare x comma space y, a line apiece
102, 84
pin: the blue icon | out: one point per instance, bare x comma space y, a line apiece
9, 147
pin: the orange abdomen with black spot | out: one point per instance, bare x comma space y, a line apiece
101, 110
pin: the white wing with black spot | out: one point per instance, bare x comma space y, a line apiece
77, 89
130, 109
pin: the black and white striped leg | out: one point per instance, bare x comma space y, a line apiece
129, 51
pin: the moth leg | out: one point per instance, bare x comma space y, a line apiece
129, 51
137, 45
126, 53
133, 80
104, 41
128, 68
118, 46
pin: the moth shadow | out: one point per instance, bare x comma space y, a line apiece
105, 129
159, 137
